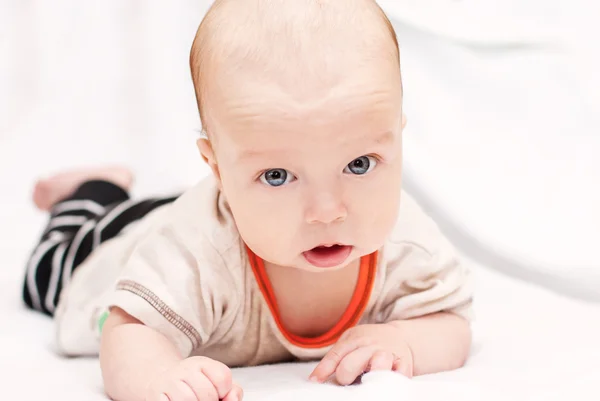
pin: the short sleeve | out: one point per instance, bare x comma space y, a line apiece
175, 282
423, 273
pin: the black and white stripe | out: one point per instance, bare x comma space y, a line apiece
96, 212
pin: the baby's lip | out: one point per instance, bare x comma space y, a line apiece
327, 256
328, 245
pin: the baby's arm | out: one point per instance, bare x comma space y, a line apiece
428, 344
173, 296
132, 355
438, 342
139, 363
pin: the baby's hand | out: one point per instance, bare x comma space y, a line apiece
195, 379
365, 348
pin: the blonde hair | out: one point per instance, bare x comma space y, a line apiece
276, 34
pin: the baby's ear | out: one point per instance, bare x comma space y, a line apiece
206, 151
403, 120
208, 154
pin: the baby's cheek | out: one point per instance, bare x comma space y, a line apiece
384, 215
265, 231
256, 217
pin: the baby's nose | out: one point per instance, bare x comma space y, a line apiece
326, 208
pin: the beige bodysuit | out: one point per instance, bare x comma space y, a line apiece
185, 271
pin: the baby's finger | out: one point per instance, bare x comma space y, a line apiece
236, 394
403, 366
219, 375
353, 365
179, 390
331, 360
157, 397
381, 360
202, 387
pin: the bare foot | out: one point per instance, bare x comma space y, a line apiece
49, 191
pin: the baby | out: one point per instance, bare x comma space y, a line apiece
300, 246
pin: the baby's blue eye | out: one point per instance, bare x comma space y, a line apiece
361, 165
276, 177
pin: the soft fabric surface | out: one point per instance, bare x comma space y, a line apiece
503, 132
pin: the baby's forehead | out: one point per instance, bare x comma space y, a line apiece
281, 121
252, 99
305, 48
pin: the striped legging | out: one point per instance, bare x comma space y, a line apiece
96, 212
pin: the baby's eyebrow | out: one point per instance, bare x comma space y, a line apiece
385, 137
380, 138
250, 154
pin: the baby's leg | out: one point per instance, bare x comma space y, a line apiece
49, 191
95, 211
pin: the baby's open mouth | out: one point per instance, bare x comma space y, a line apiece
328, 255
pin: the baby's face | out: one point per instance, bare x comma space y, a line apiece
312, 174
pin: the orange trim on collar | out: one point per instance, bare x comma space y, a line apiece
351, 316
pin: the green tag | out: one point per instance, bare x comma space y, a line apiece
102, 320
